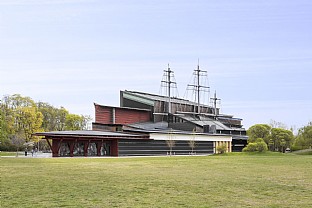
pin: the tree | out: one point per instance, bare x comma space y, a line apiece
281, 138
192, 145
18, 142
277, 139
7, 119
61, 119
3, 127
21, 118
192, 142
50, 115
29, 121
259, 131
76, 122
277, 124
304, 138
170, 142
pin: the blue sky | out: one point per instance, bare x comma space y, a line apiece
73, 53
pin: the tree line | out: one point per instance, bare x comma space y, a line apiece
21, 116
263, 137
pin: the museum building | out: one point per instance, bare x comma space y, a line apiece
147, 124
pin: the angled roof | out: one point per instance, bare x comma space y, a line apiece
152, 97
149, 126
202, 121
87, 133
126, 108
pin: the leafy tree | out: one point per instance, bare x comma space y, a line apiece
3, 126
277, 139
76, 122
7, 118
61, 119
281, 138
50, 114
259, 131
304, 138
73, 122
29, 121
20, 117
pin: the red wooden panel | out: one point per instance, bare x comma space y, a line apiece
103, 114
128, 116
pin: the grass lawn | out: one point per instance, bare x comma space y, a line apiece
9, 153
235, 180
304, 152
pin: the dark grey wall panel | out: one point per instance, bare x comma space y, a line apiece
152, 147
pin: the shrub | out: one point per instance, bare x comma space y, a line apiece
222, 148
251, 147
258, 146
262, 146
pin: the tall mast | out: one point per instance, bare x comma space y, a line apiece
169, 89
168, 83
198, 91
215, 99
197, 86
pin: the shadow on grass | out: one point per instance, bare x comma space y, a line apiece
243, 154
303, 152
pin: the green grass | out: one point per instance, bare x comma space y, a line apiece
10, 153
236, 180
303, 152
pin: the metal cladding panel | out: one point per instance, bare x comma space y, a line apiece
128, 116
152, 147
238, 145
134, 104
103, 114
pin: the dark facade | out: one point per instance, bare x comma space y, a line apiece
160, 147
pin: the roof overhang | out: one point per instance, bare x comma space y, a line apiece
88, 134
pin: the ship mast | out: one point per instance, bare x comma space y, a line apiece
168, 74
197, 86
215, 99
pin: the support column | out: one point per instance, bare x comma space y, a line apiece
71, 148
55, 147
214, 147
230, 146
114, 147
86, 146
49, 143
98, 148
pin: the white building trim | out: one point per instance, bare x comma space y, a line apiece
188, 137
